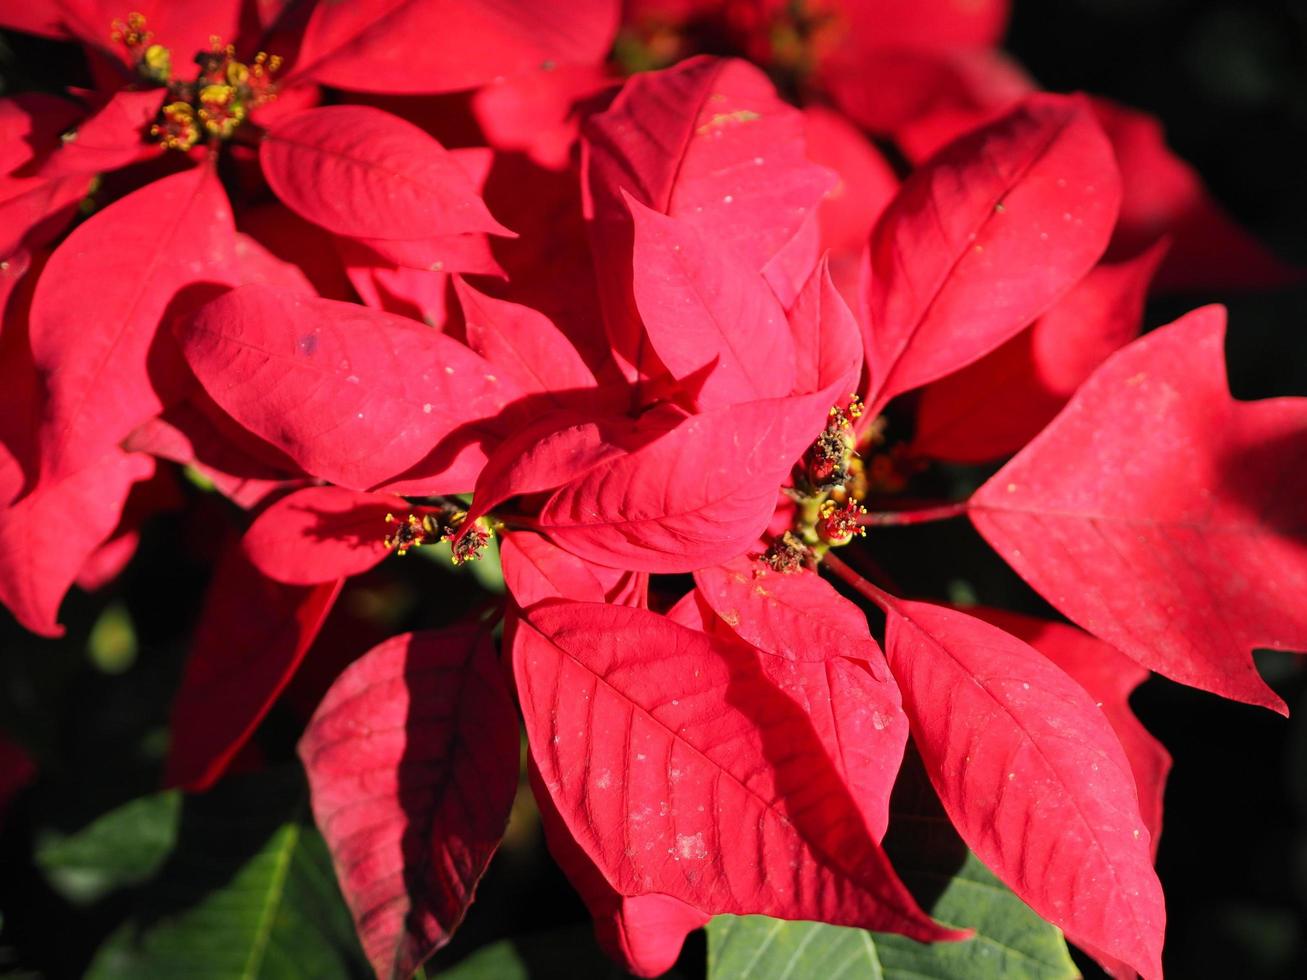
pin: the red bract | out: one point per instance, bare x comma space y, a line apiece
1035, 781
98, 382
1108, 677
710, 143
999, 403
628, 717
412, 759
984, 238
353, 396
1154, 486
427, 46
41, 558
367, 174
251, 637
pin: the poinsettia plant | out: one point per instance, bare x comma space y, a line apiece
669, 342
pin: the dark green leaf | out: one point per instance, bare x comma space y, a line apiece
248, 892
124, 847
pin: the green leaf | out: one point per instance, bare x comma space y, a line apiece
248, 893
124, 847
1011, 942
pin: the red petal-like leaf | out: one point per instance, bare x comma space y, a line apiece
1163, 516
535, 570
854, 708
999, 403
645, 932
827, 339
797, 616
252, 635
680, 769
412, 760
362, 172
699, 495
704, 307
1165, 196
1032, 777
184, 26
353, 395
100, 300
984, 238
320, 534
709, 142
535, 113
523, 343
47, 536
551, 453
1108, 676
866, 181
417, 46
111, 138
190, 436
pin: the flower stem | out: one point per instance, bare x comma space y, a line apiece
925, 515
856, 581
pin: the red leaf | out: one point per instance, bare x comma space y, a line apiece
827, 339
112, 137
924, 98
680, 769
412, 760
121, 272
797, 616
1154, 487
984, 238
320, 534
292, 239
1165, 196
420, 295
550, 454
184, 26
35, 210
252, 635
706, 308
188, 435
709, 142
1032, 777
418, 46
355, 396
997, 404
696, 496
925, 24
362, 172
854, 708
47, 536
1109, 677
523, 343
866, 181
470, 253
535, 570
257, 264
535, 113
643, 933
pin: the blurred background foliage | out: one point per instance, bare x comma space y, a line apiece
77, 873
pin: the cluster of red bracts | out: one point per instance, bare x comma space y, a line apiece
618, 315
